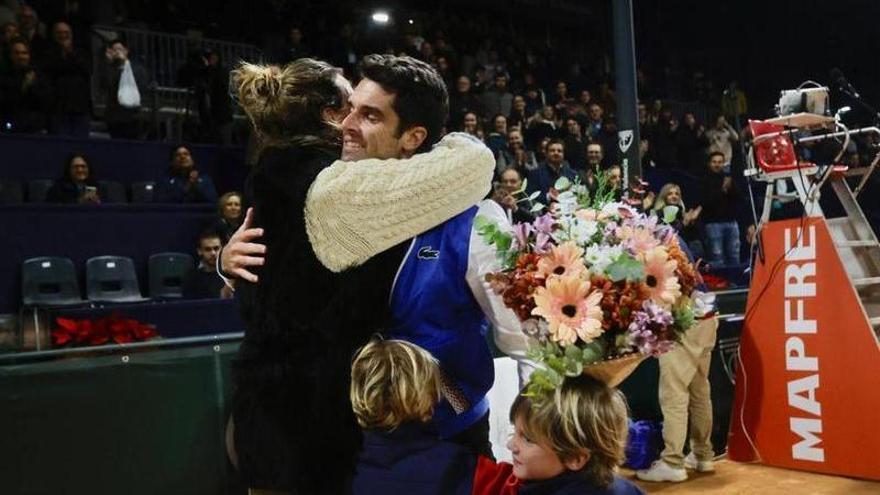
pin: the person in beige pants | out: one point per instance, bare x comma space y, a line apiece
685, 394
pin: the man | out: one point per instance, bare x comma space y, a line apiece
463, 101
68, 69
719, 202
184, 183
25, 94
554, 167
594, 127
721, 139
439, 300
507, 158
122, 107
201, 282
574, 145
498, 100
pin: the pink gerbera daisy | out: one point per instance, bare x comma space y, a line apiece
569, 311
663, 286
564, 260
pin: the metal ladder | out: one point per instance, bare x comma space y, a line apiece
858, 248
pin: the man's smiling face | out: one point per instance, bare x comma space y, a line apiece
371, 129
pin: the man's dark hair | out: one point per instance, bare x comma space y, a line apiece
556, 141
117, 41
420, 93
713, 154
209, 234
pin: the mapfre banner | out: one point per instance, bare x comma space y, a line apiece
808, 383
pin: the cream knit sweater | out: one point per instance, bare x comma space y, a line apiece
355, 210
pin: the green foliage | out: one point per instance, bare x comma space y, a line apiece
684, 316
494, 236
625, 267
560, 362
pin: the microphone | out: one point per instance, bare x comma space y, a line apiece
842, 83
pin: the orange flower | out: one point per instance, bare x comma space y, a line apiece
619, 301
569, 311
684, 270
523, 281
660, 278
564, 260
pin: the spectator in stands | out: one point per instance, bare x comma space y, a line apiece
664, 151
516, 155
518, 115
296, 48
497, 138
606, 97
575, 145
719, 200
669, 207
77, 183
534, 95
690, 139
721, 139
646, 127
498, 100
545, 176
581, 109
202, 281
594, 126
542, 125
614, 179
25, 93
470, 124
184, 183
507, 194
462, 101
229, 215
8, 32
33, 31
594, 157
562, 101
215, 107
125, 84
69, 70
734, 104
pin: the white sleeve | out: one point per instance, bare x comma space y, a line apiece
507, 331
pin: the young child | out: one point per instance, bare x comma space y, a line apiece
394, 387
569, 443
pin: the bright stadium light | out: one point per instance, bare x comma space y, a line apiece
381, 17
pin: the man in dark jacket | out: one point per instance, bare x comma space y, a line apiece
69, 70
545, 176
122, 116
719, 213
25, 93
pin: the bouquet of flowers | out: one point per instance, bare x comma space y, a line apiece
597, 285
110, 329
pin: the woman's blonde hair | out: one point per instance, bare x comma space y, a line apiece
393, 382
582, 417
286, 104
221, 203
660, 202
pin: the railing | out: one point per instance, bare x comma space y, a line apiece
163, 54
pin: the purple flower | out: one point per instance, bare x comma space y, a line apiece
543, 243
521, 232
642, 332
544, 223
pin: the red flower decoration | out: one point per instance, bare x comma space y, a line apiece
101, 331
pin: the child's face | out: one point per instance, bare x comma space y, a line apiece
532, 460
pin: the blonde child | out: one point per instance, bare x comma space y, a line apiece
567, 443
394, 388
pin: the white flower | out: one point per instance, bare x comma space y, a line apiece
704, 303
598, 257
566, 203
613, 210
583, 230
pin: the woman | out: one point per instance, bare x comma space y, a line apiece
77, 183
669, 207
292, 424
229, 215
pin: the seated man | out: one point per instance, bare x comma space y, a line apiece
184, 183
201, 282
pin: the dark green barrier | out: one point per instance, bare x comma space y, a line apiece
142, 422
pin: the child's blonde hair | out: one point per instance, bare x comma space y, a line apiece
583, 416
393, 382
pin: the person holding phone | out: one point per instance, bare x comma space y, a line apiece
77, 183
